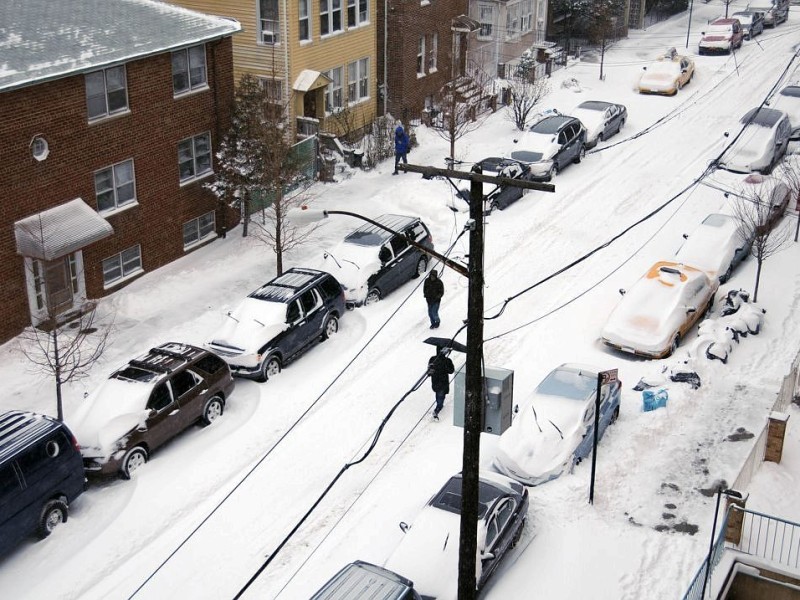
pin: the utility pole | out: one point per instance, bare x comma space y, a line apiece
473, 409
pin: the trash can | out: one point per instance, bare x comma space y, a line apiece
358, 158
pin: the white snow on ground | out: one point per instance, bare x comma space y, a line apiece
281, 443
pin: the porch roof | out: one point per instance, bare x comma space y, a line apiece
309, 80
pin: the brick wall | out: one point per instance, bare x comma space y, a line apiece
149, 134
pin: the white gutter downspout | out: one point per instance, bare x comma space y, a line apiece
385, 56
289, 94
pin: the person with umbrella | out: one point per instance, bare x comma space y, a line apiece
440, 367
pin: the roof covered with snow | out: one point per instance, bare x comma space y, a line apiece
42, 40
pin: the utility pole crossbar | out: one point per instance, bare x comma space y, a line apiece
496, 180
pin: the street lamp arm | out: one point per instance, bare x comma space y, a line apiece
457, 267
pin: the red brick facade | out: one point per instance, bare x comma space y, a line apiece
406, 22
148, 133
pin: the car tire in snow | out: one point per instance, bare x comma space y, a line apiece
330, 327
213, 410
53, 514
270, 368
422, 266
372, 297
134, 459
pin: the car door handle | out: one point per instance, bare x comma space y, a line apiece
174, 412
203, 391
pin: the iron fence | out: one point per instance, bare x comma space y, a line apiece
770, 538
698, 585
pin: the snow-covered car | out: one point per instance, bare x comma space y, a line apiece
428, 552
771, 190
761, 143
659, 310
752, 22
554, 430
371, 262
550, 145
788, 100
148, 402
721, 35
716, 246
279, 321
667, 75
496, 196
600, 119
775, 11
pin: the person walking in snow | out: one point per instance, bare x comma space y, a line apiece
440, 367
400, 146
433, 290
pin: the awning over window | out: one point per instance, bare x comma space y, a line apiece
59, 231
310, 80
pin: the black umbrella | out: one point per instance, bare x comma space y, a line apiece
441, 342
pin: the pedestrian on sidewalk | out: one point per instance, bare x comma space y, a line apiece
433, 290
400, 146
440, 367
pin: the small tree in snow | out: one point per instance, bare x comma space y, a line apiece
602, 17
755, 213
459, 102
260, 170
790, 173
524, 94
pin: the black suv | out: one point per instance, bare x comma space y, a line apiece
279, 321
148, 402
550, 145
41, 473
371, 262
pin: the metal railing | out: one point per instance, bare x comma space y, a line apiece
698, 585
307, 127
771, 538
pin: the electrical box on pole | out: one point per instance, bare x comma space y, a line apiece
498, 399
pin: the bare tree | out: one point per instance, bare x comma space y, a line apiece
261, 170
525, 92
602, 17
790, 173
759, 220
460, 105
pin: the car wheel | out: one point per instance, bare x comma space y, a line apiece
134, 459
213, 410
675, 343
553, 171
621, 125
581, 154
517, 535
422, 266
270, 368
726, 275
373, 296
330, 327
600, 138
615, 415
53, 514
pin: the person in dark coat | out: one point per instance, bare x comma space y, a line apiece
433, 290
440, 367
400, 147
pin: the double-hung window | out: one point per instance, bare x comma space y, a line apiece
358, 80
357, 12
486, 20
304, 32
333, 95
269, 21
189, 69
526, 22
122, 265
198, 229
330, 16
114, 186
433, 59
106, 92
512, 21
194, 157
421, 56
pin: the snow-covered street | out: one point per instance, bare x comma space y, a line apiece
213, 505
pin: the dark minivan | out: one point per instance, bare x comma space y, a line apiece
41, 474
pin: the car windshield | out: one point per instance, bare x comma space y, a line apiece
549, 125
594, 105
527, 156
719, 29
717, 220
665, 67
744, 18
568, 383
135, 374
763, 117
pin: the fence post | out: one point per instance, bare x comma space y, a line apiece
733, 533
776, 431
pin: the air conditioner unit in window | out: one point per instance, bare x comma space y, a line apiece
269, 37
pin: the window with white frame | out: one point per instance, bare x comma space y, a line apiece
269, 22
194, 157
421, 56
333, 94
433, 58
512, 21
330, 16
189, 69
357, 12
106, 92
358, 80
305, 21
114, 186
122, 265
57, 282
486, 20
526, 21
198, 229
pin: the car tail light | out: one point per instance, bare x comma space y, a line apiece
75, 444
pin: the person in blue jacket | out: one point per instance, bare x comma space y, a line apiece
400, 147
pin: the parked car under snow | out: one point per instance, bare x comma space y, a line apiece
761, 143
716, 246
600, 119
554, 429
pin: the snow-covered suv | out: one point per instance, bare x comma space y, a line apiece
279, 321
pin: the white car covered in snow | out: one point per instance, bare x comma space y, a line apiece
600, 119
716, 246
788, 100
428, 553
660, 308
761, 143
554, 430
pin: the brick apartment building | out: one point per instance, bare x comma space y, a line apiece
416, 57
110, 111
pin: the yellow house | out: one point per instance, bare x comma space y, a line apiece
317, 57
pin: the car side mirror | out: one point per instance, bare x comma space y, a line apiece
686, 236
487, 556
516, 408
85, 394
702, 33
644, 68
621, 291
516, 140
404, 526
726, 134
690, 310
